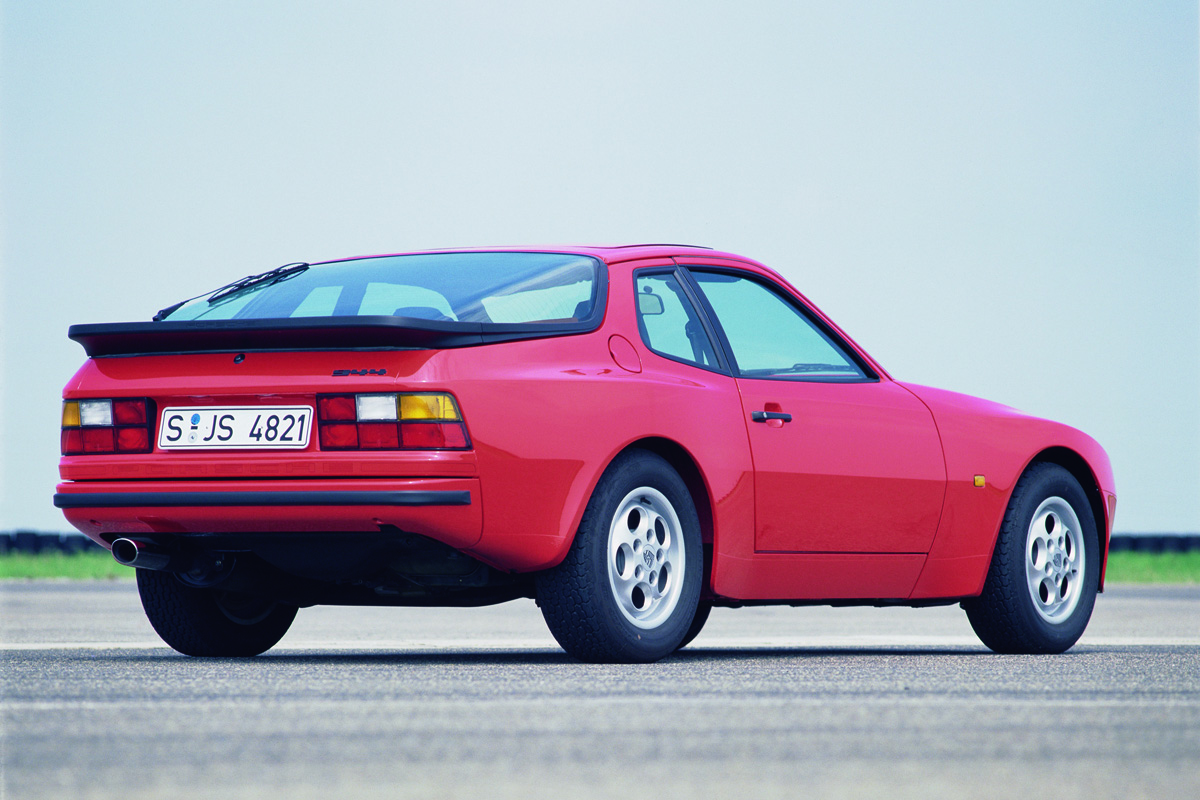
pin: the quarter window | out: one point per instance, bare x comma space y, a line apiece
769, 336
669, 323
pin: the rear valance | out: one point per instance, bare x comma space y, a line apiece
307, 333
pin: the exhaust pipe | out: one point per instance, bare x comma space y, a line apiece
200, 570
205, 570
133, 553
146, 555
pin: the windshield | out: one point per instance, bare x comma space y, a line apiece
462, 287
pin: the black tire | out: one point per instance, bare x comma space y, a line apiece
628, 589
209, 622
1041, 586
703, 609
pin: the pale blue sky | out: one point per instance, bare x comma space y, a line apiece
996, 198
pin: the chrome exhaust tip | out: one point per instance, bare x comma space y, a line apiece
142, 555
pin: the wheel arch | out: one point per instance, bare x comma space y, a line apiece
595, 613
1081, 470
680, 459
683, 463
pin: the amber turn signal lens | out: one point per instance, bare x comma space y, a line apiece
428, 406
70, 414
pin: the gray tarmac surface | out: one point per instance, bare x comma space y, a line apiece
428, 703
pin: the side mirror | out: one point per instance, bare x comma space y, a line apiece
649, 304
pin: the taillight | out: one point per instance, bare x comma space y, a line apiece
424, 421
120, 425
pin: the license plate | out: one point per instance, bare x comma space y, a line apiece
235, 427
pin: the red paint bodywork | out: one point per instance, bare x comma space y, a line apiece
868, 495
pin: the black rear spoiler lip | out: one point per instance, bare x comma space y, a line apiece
307, 333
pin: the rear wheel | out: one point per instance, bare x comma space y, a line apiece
1041, 586
628, 589
209, 622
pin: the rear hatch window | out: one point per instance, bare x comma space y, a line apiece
488, 288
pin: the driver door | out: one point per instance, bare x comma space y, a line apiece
845, 461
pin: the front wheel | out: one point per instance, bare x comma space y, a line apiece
1045, 570
210, 622
628, 589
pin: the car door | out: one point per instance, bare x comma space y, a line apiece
845, 460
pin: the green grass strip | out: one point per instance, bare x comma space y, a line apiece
1123, 567
1129, 567
92, 565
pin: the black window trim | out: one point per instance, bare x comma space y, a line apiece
723, 366
869, 374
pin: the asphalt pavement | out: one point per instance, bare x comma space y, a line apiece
428, 703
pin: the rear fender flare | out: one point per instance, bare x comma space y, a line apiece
681, 460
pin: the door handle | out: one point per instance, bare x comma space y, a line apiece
763, 416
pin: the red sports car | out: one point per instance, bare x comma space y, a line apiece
630, 435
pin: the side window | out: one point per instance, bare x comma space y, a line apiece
769, 336
669, 324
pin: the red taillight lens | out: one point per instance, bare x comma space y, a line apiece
107, 426
129, 412
98, 440
377, 421
72, 441
378, 435
339, 407
456, 436
339, 436
434, 435
133, 440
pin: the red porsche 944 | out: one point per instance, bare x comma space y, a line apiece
630, 435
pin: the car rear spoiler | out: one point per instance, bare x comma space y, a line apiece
306, 333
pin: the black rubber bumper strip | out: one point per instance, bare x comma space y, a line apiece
202, 499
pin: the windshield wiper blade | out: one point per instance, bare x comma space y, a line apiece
271, 276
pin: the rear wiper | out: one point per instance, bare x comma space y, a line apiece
277, 274
269, 277
163, 313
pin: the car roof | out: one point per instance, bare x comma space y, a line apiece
610, 254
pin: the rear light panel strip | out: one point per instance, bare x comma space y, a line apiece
107, 425
388, 421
